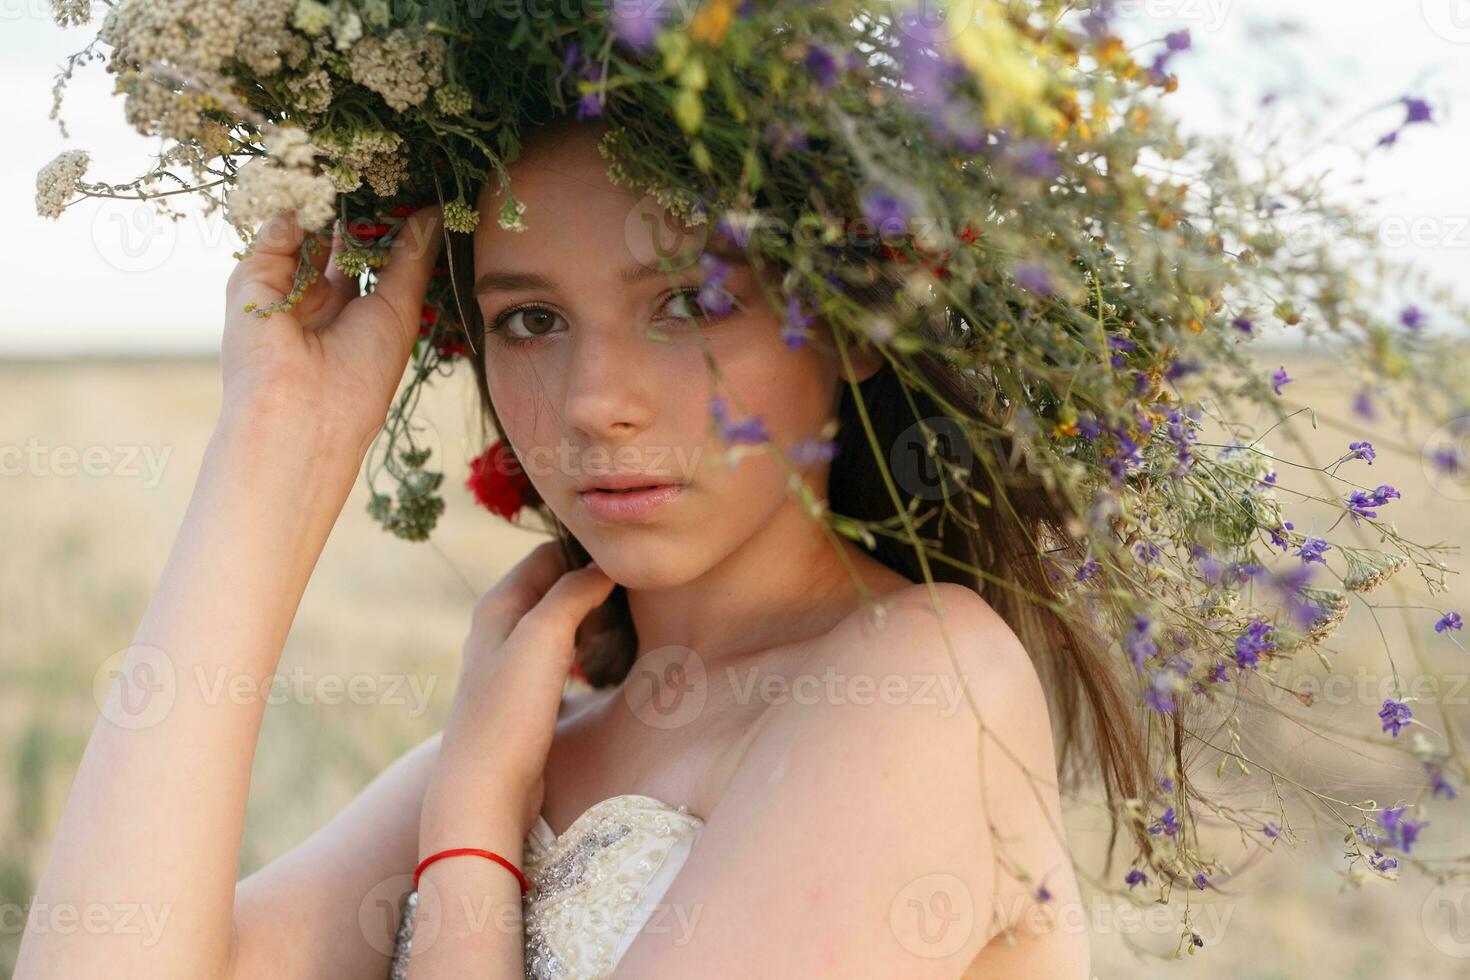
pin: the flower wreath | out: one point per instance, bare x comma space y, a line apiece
1101, 279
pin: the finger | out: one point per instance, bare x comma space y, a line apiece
337, 289
266, 273
405, 279
500, 608
552, 623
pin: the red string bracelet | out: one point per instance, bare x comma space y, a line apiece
455, 851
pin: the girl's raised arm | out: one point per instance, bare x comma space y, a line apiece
150, 835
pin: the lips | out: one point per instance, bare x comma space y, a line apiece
624, 505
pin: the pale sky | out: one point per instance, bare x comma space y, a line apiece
109, 278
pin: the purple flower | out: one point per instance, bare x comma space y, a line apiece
1270, 829
1447, 459
795, 330
637, 22
713, 296
1313, 549
1159, 694
1449, 621
808, 452
1178, 40
1037, 159
1279, 538
1166, 825
1138, 643
1258, 638
1359, 502
1412, 317
1279, 378
1402, 830
1363, 405
1362, 450
1417, 111
1437, 783
1244, 326
1088, 569
822, 65
1200, 881
886, 212
1395, 715
1135, 877
1034, 278
749, 430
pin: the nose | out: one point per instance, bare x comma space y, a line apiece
610, 383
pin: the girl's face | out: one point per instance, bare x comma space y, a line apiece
596, 370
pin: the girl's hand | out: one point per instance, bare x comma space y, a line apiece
329, 366
516, 661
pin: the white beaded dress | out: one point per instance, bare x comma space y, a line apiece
591, 889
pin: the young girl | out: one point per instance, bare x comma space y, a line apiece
767, 778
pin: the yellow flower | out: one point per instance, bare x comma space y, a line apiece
1005, 63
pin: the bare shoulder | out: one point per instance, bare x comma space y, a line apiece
947, 630
876, 795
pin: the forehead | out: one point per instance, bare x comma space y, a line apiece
576, 218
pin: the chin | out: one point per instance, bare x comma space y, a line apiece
640, 562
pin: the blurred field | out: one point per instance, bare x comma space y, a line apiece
82, 552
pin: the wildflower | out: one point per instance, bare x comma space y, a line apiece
1412, 317
1279, 378
1278, 535
811, 451
637, 24
1244, 326
1362, 450
1449, 621
795, 329
1363, 405
1313, 549
1159, 695
1035, 279
749, 430
1200, 881
1139, 643
71, 13
498, 481
1258, 638
57, 182
400, 67
1402, 830
460, 217
1166, 825
1271, 829
1359, 502
822, 65
1395, 715
1367, 573
886, 213
1135, 877
714, 298
1088, 569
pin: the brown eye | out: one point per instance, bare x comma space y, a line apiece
527, 322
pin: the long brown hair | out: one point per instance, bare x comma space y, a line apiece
1005, 539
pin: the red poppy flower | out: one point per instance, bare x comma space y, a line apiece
499, 483
367, 231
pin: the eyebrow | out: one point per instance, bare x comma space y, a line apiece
509, 280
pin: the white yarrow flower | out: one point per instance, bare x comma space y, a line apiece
57, 182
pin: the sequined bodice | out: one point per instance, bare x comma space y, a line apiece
592, 888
